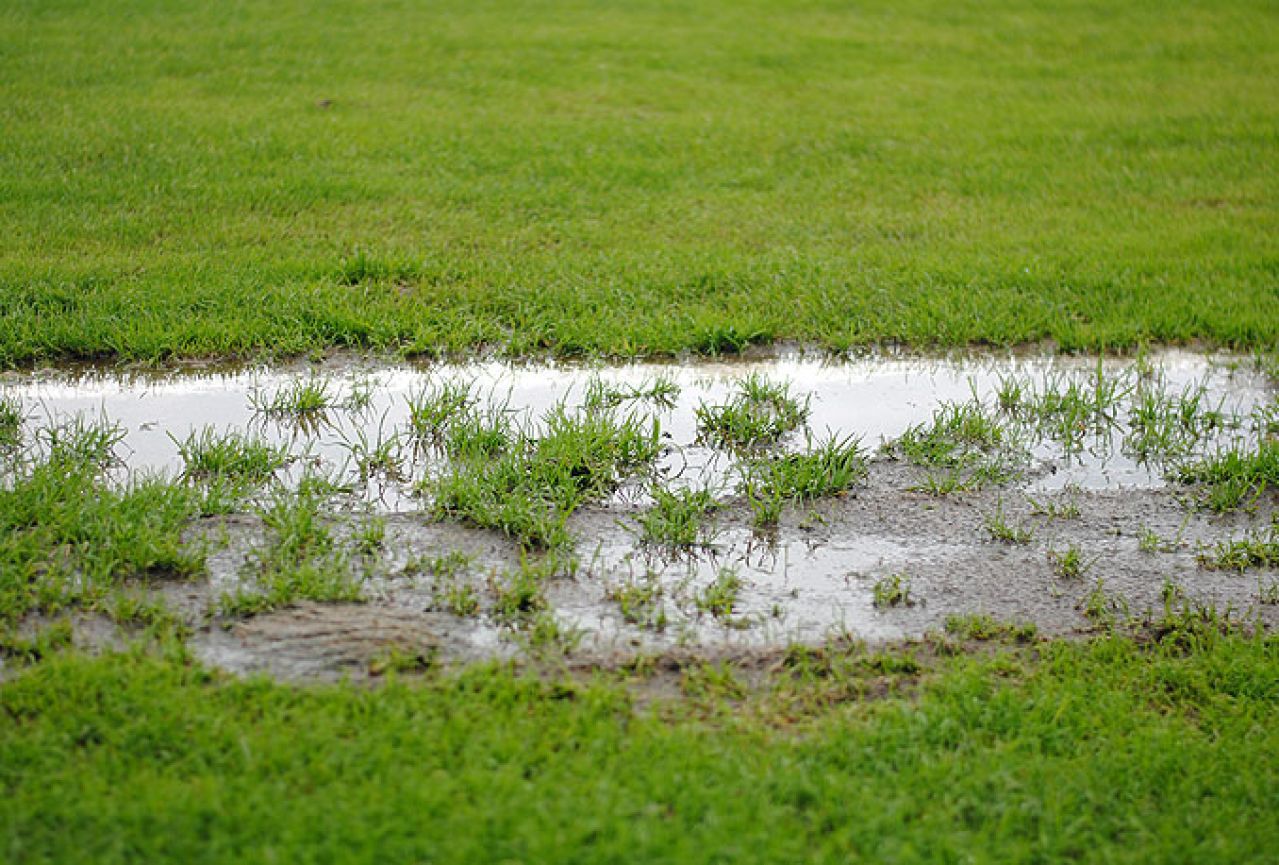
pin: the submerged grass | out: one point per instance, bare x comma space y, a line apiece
824, 468
529, 490
677, 519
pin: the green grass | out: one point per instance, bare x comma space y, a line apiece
824, 468
677, 519
1100, 750
760, 413
230, 455
633, 178
1234, 478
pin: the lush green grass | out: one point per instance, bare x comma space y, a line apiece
1099, 751
644, 176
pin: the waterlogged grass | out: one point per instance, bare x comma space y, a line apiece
825, 468
1256, 549
69, 536
964, 446
677, 519
1104, 749
580, 179
760, 413
1234, 478
302, 559
230, 455
531, 488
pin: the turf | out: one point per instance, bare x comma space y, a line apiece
633, 178
1101, 751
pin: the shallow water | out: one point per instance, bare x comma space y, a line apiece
815, 574
872, 399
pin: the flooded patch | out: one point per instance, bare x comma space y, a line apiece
484, 509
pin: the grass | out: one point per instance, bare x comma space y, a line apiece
1105, 748
1256, 549
230, 455
531, 488
11, 417
660, 391
302, 399
825, 468
999, 529
676, 521
302, 559
1070, 563
964, 446
70, 536
759, 414
640, 601
719, 597
1236, 477
599, 179
892, 591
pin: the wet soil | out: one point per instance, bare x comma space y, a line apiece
811, 579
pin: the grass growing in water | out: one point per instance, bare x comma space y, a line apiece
1236, 477
230, 455
760, 413
302, 559
824, 468
300, 399
892, 591
677, 519
1257, 549
529, 491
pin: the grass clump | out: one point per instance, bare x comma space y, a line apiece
302, 559
1165, 426
433, 410
824, 468
719, 597
661, 391
892, 591
11, 417
962, 447
1256, 549
530, 490
760, 413
231, 455
1070, 563
640, 601
302, 399
677, 519
1234, 478
999, 529
68, 536
982, 627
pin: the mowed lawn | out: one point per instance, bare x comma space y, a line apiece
634, 177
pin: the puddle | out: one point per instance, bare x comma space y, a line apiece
815, 574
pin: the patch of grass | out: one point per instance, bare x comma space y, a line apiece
1256, 549
1054, 510
823, 468
999, 529
11, 417
1068, 408
1051, 753
983, 627
529, 491
68, 536
1070, 563
370, 536
519, 596
719, 597
434, 410
759, 413
1148, 541
1234, 478
231, 455
1164, 426
640, 601
660, 391
378, 453
893, 591
1102, 608
963, 447
302, 559
677, 519
303, 399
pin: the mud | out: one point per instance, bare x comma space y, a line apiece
812, 578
